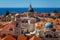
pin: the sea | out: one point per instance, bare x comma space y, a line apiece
20, 10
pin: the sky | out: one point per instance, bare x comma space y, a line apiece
26, 3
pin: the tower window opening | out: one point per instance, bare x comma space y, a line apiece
48, 36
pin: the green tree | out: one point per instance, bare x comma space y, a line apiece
7, 13
55, 11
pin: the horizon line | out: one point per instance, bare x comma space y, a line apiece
28, 7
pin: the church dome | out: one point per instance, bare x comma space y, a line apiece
48, 25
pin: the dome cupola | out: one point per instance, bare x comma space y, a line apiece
48, 25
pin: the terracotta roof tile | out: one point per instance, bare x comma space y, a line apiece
57, 27
6, 26
25, 14
0, 38
3, 23
35, 38
22, 37
14, 13
8, 37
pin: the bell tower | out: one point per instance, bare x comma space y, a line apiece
17, 28
30, 11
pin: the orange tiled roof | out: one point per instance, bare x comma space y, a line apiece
40, 24
55, 23
8, 37
35, 38
3, 23
8, 25
58, 19
25, 14
57, 27
0, 38
14, 13
22, 37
